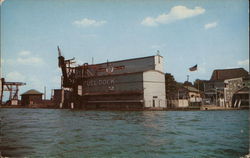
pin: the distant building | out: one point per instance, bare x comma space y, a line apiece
192, 94
231, 87
214, 89
125, 84
241, 98
223, 74
31, 97
185, 97
60, 96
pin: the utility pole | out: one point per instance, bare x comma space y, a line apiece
199, 99
1, 38
188, 90
1, 81
198, 86
216, 96
44, 92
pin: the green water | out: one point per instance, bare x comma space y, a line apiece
99, 134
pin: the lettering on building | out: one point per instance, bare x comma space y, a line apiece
107, 82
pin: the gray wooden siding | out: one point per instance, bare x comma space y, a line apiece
116, 83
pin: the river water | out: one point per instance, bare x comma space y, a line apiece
114, 134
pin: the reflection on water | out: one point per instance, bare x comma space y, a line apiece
73, 133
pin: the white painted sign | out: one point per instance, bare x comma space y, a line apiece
100, 82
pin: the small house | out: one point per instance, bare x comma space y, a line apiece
31, 97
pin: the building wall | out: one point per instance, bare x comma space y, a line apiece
133, 65
1, 90
159, 63
123, 66
127, 89
113, 91
24, 100
214, 84
232, 85
154, 89
31, 99
121, 83
194, 97
179, 103
57, 96
112, 84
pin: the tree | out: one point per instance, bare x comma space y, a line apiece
171, 86
199, 84
186, 83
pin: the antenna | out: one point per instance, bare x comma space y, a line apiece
59, 51
158, 52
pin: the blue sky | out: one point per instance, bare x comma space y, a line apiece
212, 34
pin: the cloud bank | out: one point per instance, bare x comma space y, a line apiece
243, 62
176, 13
15, 76
26, 58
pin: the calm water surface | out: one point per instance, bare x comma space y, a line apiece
174, 134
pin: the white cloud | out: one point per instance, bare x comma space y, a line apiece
15, 76
26, 58
176, 13
148, 21
24, 53
243, 62
89, 22
210, 25
34, 61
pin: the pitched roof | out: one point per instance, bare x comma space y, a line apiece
31, 92
223, 74
191, 89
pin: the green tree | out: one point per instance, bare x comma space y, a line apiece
199, 84
186, 83
171, 86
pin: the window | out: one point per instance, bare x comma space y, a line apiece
79, 89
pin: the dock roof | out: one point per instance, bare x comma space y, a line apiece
223, 74
32, 92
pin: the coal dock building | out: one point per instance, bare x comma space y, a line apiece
137, 83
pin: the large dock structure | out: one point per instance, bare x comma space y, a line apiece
137, 83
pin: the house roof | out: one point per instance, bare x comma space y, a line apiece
223, 74
192, 89
244, 90
32, 92
117, 61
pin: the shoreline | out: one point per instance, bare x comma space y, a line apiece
201, 108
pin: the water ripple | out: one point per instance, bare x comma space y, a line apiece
98, 134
